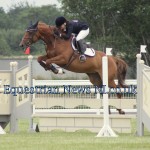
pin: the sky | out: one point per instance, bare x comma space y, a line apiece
7, 3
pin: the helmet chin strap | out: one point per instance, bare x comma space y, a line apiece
65, 26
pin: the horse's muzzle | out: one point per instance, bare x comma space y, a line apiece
21, 45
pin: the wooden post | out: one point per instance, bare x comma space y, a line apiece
140, 126
13, 115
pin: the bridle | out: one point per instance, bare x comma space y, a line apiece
32, 33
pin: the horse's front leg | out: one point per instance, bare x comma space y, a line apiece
58, 60
42, 62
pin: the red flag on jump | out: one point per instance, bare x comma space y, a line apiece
27, 51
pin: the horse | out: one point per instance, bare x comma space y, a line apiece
61, 53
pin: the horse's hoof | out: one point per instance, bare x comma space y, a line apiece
55, 71
121, 112
61, 71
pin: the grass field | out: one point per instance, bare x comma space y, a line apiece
80, 140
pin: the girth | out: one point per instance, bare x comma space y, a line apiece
72, 58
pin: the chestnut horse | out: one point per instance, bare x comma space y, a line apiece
60, 52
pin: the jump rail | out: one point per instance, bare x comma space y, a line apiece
22, 106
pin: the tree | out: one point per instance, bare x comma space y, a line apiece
4, 47
16, 20
120, 24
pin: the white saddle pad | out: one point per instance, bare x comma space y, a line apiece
89, 52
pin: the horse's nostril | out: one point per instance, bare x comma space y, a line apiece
21, 45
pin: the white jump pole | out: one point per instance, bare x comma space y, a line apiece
143, 48
106, 130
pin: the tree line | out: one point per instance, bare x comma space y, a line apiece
123, 25
14, 22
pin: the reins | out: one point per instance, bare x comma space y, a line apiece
72, 57
33, 33
47, 40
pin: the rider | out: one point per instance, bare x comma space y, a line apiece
81, 29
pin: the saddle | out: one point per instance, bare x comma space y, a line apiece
89, 50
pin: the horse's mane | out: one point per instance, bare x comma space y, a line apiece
40, 23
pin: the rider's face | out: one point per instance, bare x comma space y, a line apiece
63, 27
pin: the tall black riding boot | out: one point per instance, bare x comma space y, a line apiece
81, 49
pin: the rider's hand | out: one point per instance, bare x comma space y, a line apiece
56, 33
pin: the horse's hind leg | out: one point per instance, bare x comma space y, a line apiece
119, 95
96, 80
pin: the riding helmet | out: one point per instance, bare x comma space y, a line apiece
60, 20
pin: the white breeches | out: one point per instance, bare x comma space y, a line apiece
82, 34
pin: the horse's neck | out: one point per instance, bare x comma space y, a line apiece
45, 33
64, 46
59, 45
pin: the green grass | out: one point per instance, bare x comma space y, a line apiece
80, 140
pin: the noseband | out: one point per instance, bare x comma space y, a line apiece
32, 33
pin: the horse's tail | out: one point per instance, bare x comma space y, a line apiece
121, 71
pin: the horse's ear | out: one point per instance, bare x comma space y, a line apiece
31, 23
35, 25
